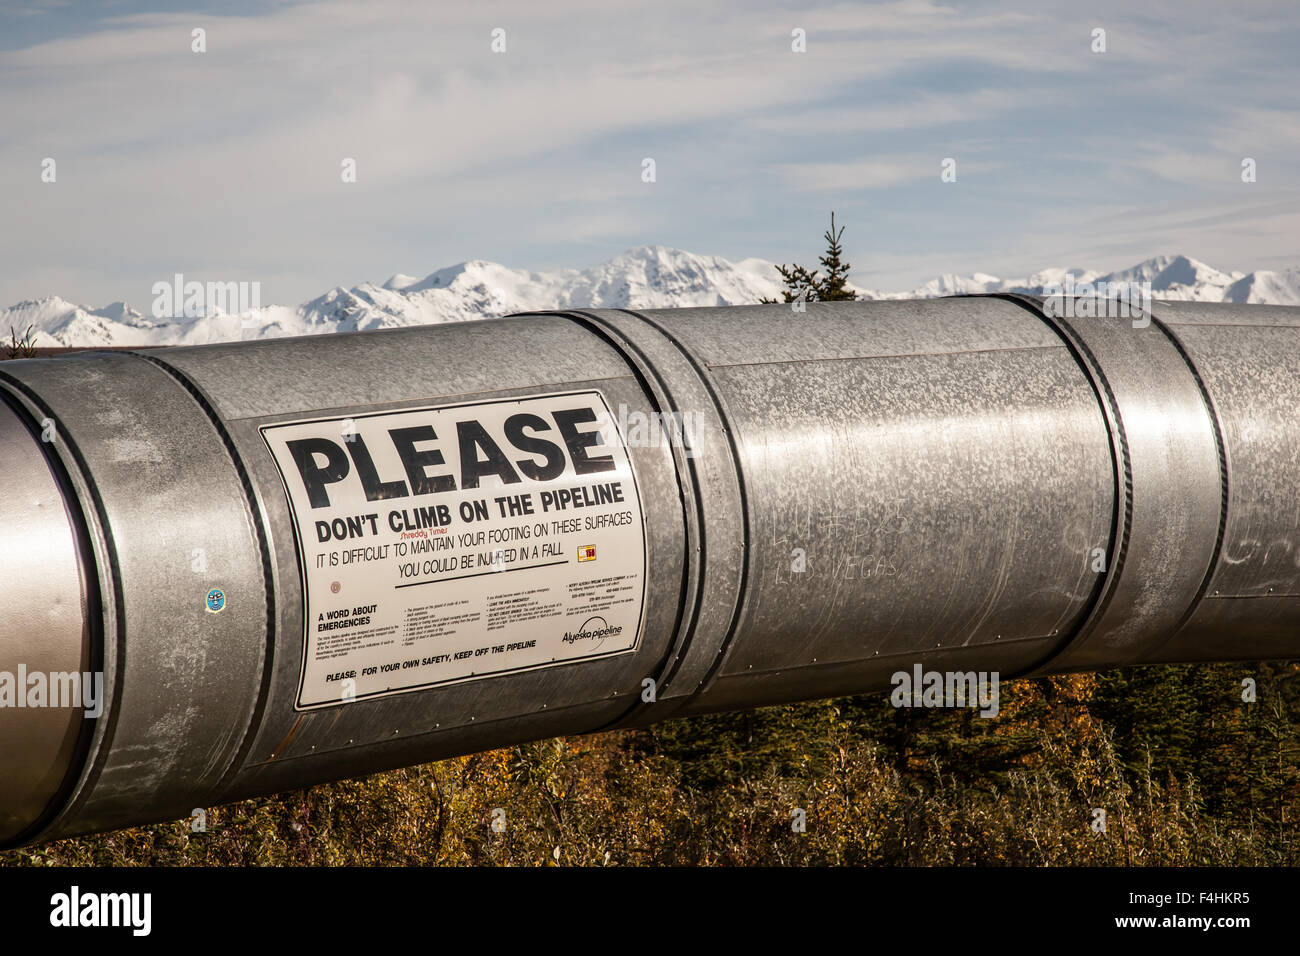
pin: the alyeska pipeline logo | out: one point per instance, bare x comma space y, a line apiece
593, 629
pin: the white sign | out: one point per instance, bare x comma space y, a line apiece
462, 541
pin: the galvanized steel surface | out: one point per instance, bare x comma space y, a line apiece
42, 627
964, 483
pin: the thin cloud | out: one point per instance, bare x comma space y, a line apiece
228, 162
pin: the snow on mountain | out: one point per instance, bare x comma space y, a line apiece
1178, 277
645, 277
950, 284
1266, 288
1171, 277
1050, 276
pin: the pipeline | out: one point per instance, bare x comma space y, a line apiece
231, 570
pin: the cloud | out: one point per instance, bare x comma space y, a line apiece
228, 162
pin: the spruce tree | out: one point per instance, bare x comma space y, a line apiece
804, 285
834, 287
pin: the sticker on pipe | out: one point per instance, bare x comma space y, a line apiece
459, 542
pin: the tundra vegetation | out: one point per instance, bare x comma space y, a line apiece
1187, 772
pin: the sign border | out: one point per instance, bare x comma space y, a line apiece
299, 706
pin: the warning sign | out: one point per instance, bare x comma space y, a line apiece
458, 542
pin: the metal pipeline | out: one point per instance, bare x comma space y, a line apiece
231, 570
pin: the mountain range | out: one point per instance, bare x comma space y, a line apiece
644, 277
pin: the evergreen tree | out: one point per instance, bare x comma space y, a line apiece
810, 286
834, 288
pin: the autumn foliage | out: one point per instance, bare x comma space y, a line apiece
1186, 772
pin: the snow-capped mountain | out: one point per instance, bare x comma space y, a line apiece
1171, 277
645, 277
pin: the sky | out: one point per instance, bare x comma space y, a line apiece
228, 164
